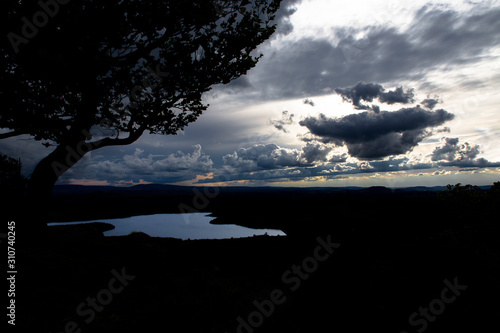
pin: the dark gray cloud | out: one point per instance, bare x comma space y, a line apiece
397, 96
271, 156
272, 163
369, 135
315, 152
430, 103
369, 91
287, 9
361, 91
450, 149
309, 102
452, 153
387, 145
286, 119
436, 38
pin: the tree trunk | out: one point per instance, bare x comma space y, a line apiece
49, 169
70, 150
45, 175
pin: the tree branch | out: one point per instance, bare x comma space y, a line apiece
118, 142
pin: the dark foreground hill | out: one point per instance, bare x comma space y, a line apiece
354, 260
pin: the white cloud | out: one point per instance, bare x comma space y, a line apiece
174, 167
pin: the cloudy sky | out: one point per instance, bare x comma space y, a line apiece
348, 93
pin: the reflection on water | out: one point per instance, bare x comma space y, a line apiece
184, 226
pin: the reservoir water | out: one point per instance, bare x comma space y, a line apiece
184, 226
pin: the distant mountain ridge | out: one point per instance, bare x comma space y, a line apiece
172, 189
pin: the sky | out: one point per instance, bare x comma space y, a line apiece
347, 93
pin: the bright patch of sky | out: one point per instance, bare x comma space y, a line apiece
317, 18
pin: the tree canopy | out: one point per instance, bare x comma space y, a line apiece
82, 75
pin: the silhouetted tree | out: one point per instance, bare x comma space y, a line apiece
468, 200
11, 179
12, 186
461, 194
494, 189
493, 195
83, 75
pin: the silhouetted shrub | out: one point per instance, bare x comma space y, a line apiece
12, 181
494, 190
468, 194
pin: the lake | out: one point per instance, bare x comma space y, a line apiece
184, 226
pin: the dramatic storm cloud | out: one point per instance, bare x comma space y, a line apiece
377, 135
387, 145
369, 91
369, 135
